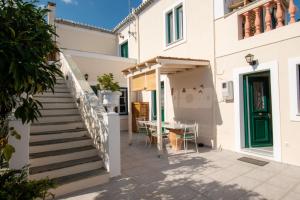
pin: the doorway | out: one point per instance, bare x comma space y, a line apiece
154, 104
258, 112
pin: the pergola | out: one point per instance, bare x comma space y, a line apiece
146, 76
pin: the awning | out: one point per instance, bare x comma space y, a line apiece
167, 65
143, 74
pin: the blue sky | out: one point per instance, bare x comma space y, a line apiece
101, 13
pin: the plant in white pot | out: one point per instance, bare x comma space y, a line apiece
110, 91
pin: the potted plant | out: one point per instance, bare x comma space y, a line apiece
110, 91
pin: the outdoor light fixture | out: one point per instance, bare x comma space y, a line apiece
250, 59
86, 77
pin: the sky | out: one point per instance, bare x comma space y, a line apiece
101, 13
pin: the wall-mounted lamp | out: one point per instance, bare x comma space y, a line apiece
86, 77
121, 35
131, 33
250, 59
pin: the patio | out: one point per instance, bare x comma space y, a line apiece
209, 174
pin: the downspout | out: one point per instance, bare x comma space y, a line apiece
214, 76
137, 36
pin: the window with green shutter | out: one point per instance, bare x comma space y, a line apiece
174, 23
124, 50
179, 23
169, 27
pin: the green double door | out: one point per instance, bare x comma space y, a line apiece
258, 110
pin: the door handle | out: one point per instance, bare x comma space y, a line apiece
270, 116
260, 114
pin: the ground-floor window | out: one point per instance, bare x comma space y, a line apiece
294, 88
123, 108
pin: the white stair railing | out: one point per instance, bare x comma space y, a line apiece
103, 127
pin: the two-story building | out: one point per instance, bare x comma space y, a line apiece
231, 66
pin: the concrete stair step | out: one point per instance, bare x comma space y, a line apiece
57, 132
65, 143
55, 99
59, 90
65, 168
56, 156
59, 111
47, 105
54, 135
49, 94
60, 81
56, 126
76, 182
59, 118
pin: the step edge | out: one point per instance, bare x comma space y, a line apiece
86, 160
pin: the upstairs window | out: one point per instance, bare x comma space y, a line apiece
124, 50
179, 22
170, 27
174, 23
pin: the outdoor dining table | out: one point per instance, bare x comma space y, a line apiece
175, 130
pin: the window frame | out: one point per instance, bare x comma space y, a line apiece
121, 45
175, 25
125, 90
294, 88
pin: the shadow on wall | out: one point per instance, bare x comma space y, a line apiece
193, 96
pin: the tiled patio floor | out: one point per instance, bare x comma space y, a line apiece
214, 175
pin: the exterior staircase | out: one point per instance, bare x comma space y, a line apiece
60, 147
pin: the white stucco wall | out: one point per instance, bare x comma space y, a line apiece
279, 46
86, 40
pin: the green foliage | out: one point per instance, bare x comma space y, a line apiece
15, 185
106, 82
26, 42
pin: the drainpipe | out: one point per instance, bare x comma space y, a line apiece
215, 76
137, 35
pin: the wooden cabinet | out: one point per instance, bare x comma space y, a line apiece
139, 110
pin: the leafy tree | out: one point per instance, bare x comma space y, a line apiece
25, 43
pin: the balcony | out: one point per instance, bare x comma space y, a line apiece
265, 15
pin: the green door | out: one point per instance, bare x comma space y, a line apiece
258, 112
124, 50
154, 105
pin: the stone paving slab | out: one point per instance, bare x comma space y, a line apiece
207, 175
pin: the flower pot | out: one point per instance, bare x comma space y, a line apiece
110, 99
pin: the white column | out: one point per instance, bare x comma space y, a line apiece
113, 158
158, 111
129, 111
21, 156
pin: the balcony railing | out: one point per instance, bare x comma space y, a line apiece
266, 15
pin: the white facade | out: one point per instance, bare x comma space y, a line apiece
210, 32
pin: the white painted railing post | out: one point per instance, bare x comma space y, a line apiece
113, 165
21, 156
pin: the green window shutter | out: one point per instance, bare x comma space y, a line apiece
169, 27
179, 23
124, 50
